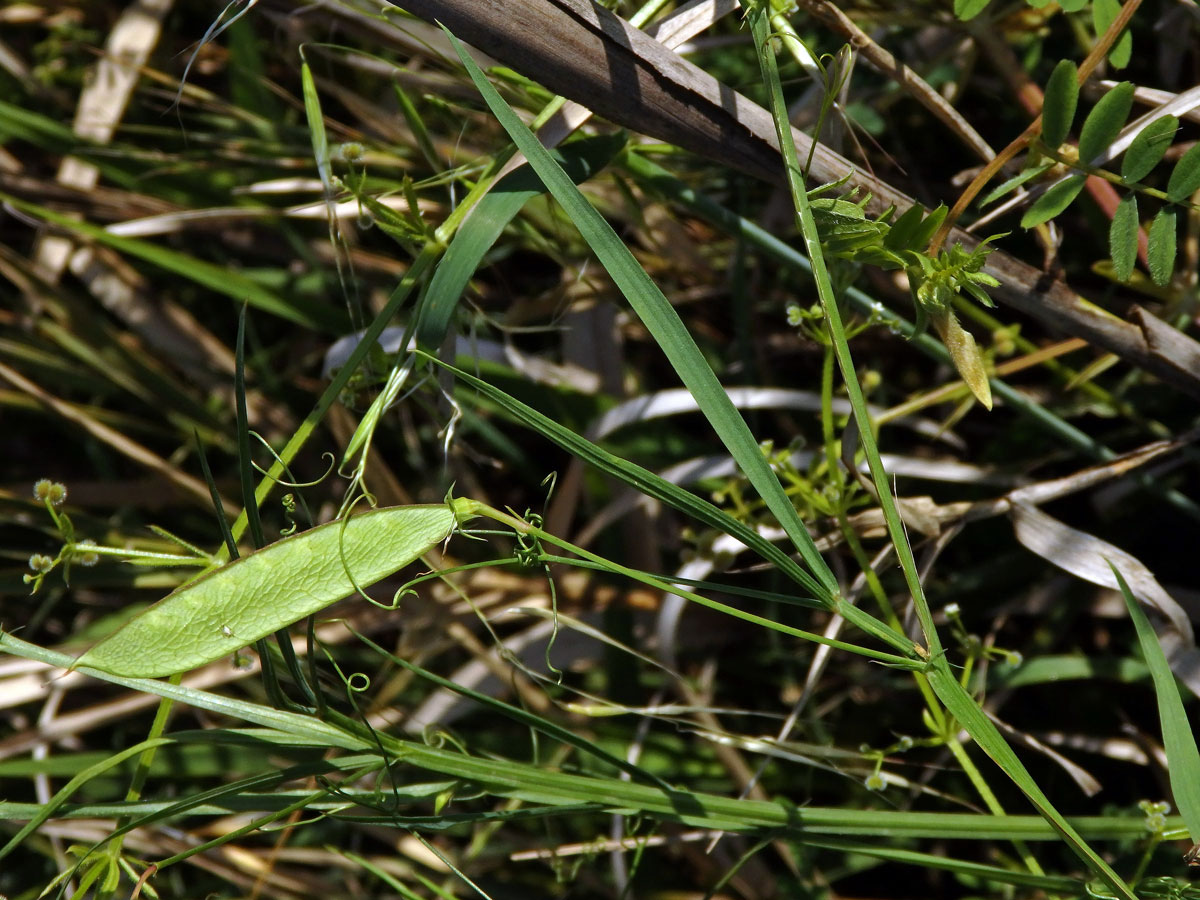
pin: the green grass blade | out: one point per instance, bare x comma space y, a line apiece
532, 720
758, 13
503, 777
316, 125
664, 323
579, 159
982, 871
645, 481
963, 707
1179, 741
653, 485
48, 809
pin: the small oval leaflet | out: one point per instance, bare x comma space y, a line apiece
1058, 105
282, 583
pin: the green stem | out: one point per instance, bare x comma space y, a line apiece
989, 798
470, 508
140, 774
758, 14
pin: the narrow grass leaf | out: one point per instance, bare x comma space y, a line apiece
1123, 237
46, 810
757, 14
258, 594
1148, 148
502, 776
643, 480
664, 324
1104, 12
528, 719
1105, 121
1179, 741
983, 731
1058, 106
653, 485
1160, 250
580, 159
316, 126
969, 869
52, 135
417, 127
1053, 202
1185, 177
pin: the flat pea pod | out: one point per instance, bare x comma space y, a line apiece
257, 595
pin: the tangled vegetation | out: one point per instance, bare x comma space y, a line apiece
545, 448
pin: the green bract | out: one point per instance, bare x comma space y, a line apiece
258, 594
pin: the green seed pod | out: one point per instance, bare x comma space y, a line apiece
282, 583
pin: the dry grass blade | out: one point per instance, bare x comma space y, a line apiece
191, 487
101, 105
1088, 557
905, 77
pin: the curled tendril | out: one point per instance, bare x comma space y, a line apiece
404, 591
529, 547
438, 738
288, 502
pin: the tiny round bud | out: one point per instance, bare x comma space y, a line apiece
351, 151
906, 743
1003, 341
84, 555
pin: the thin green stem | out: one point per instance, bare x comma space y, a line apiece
989, 798
758, 14
475, 508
